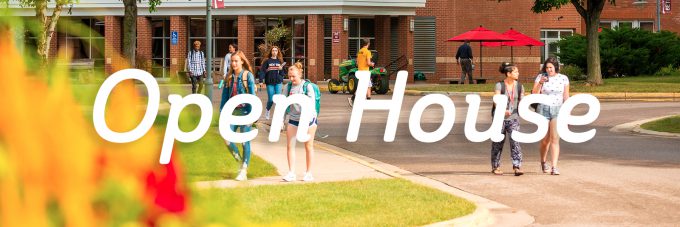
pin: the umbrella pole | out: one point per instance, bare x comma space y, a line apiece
512, 56
480, 60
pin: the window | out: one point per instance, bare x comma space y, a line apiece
606, 24
327, 48
160, 47
360, 28
224, 32
85, 40
550, 37
647, 25
293, 50
641, 24
625, 24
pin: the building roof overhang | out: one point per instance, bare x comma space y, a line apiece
241, 7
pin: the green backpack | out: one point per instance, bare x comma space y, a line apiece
317, 93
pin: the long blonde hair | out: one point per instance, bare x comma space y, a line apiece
244, 66
269, 54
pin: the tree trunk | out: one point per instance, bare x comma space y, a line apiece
48, 24
593, 50
130, 31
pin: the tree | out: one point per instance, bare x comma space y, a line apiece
48, 23
130, 27
590, 11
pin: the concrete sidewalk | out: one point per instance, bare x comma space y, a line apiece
326, 166
332, 164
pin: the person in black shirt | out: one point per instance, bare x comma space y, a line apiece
464, 58
272, 75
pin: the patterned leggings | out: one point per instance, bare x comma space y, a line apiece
515, 150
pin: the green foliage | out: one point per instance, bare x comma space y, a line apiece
625, 51
152, 5
667, 71
32, 3
542, 6
573, 72
573, 51
280, 35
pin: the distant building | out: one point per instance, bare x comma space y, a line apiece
410, 34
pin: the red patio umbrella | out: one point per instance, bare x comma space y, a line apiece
480, 34
520, 40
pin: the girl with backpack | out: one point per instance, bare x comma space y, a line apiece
240, 80
272, 75
515, 91
298, 87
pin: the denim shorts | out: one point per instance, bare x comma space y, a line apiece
549, 112
297, 123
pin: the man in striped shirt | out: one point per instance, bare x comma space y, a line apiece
196, 62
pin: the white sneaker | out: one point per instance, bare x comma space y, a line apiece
266, 115
242, 175
308, 177
289, 177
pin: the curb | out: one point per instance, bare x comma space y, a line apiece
488, 212
634, 127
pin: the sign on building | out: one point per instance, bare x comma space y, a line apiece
218, 4
666, 6
336, 37
174, 37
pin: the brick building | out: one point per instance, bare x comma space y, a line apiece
410, 34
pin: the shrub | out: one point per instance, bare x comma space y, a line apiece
573, 72
625, 51
667, 71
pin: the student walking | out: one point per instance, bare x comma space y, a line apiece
299, 86
512, 88
556, 86
227, 67
272, 76
240, 80
364, 63
227, 59
196, 62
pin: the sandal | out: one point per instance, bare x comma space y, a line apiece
497, 171
518, 172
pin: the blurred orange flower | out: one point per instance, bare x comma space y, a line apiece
50, 154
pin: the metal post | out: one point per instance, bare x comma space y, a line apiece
658, 15
208, 50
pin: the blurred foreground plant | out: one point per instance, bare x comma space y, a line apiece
55, 170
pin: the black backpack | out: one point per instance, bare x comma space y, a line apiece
518, 87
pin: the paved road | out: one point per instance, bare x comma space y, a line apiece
614, 179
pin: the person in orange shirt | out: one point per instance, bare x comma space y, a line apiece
364, 62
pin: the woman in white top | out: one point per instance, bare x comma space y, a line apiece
556, 86
297, 87
227, 59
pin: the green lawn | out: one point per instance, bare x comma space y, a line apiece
656, 84
209, 157
670, 124
369, 202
